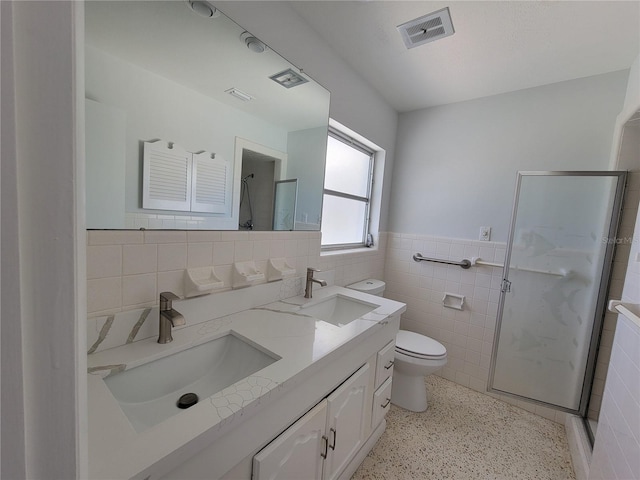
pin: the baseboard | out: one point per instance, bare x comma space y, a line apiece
579, 446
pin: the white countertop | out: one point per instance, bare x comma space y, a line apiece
303, 344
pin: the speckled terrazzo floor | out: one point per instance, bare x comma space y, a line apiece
465, 435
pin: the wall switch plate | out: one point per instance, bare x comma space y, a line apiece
485, 234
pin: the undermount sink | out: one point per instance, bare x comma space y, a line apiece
338, 310
148, 394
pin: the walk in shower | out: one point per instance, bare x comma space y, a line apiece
554, 291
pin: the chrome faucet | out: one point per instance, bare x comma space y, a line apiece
309, 287
168, 317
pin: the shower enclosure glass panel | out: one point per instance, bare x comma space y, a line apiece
284, 205
556, 273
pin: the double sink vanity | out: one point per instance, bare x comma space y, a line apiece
252, 386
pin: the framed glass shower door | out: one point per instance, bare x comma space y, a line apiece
284, 204
554, 289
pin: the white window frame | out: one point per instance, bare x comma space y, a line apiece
357, 145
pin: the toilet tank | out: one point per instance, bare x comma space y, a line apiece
370, 286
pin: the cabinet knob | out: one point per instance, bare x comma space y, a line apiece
385, 404
387, 367
335, 435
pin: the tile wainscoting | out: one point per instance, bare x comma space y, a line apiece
467, 334
615, 454
127, 270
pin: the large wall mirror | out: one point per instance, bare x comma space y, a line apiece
182, 102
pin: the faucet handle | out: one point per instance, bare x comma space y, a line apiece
166, 298
312, 269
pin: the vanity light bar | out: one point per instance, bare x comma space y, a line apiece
245, 97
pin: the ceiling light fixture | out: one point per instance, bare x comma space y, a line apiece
288, 78
253, 43
204, 9
245, 97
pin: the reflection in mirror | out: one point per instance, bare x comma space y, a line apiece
163, 74
284, 206
261, 167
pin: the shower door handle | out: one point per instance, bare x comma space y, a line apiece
506, 286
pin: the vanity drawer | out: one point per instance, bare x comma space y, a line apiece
381, 402
384, 363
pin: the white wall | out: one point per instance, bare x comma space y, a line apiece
12, 420
45, 411
105, 136
456, 165
631, 106
353, 102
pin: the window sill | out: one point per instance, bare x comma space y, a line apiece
327, 253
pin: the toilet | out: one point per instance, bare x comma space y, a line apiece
416, 356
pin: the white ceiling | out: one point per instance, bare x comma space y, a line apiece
497, 47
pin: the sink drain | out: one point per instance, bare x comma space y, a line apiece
187, 400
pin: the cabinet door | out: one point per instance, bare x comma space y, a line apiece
346, 414
296, 454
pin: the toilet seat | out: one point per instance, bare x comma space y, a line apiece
419, 346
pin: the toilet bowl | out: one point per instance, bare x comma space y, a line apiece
416, 356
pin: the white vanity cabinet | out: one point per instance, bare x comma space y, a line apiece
318, 419
323, 442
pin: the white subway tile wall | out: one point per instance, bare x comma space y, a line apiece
344, 268
121, 294
467, 334
127, 270
615, 454
621, 259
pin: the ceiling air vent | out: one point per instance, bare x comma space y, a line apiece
426, 29
288, 78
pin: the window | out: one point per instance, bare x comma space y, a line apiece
347, 191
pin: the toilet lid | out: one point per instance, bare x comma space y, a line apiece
415, 344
